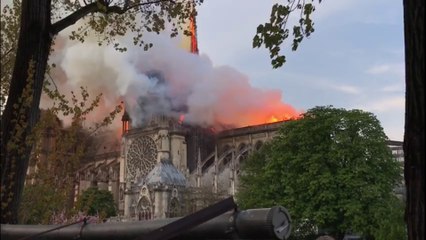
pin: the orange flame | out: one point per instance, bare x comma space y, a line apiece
272, 119
192, 28
181, 119
284, 117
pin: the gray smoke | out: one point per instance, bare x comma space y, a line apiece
168, 80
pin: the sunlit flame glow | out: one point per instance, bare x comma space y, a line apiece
181, 119
283, 117
272, 119
192, 27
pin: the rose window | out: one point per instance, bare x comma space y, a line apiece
141, 157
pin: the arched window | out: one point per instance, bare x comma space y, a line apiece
226, 157
174, 208
242, 155
242, 152
258, 145
144, 209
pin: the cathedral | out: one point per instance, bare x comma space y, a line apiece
156, 164
164, 167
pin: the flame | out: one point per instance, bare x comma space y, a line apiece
192, 28
283, 117
273, 119
181, 119
189, 42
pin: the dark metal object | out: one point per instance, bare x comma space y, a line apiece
267, 223
256, 223
184, 224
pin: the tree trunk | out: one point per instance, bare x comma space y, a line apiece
414, 141
19, 117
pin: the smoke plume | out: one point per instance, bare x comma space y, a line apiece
167, 80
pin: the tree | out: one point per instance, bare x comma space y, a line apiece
332, 169
97, 202
392, 225
39, 203
56, 156
272, 34
9, 34
40, 21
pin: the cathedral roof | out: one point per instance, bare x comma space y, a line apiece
165, 173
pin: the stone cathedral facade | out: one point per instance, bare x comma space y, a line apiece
161, 168
154, 166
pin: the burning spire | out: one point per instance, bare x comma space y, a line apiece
193, 29
189, 38
125, 119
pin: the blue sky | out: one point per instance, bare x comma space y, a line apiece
353, 60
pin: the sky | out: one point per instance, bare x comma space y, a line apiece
353, 60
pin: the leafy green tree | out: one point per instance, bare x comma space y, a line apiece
39, 22
332, 169
392, 225
274, 33
97, 202
39, 203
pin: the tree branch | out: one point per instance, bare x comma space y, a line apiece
4, 56
119, 10
73, 18
94, 7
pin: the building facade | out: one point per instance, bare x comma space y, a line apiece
155, 165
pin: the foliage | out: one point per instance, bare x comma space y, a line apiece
38, 203
273, 33
97, 202
57, 155
9, 33
392, 224
42, 204
332, 169
63, 218
108, 20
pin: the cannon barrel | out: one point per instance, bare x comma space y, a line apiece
265, 223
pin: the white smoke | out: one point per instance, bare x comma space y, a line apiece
169, 80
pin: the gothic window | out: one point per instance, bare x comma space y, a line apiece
141, 156
174, 209
258, 145
144, 209
242, 152
121, 191
225, 148
206, 165
242, 155
226, 158
132, 209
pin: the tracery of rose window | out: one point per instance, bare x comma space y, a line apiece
141, 157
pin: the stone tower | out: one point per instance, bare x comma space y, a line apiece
154, 162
